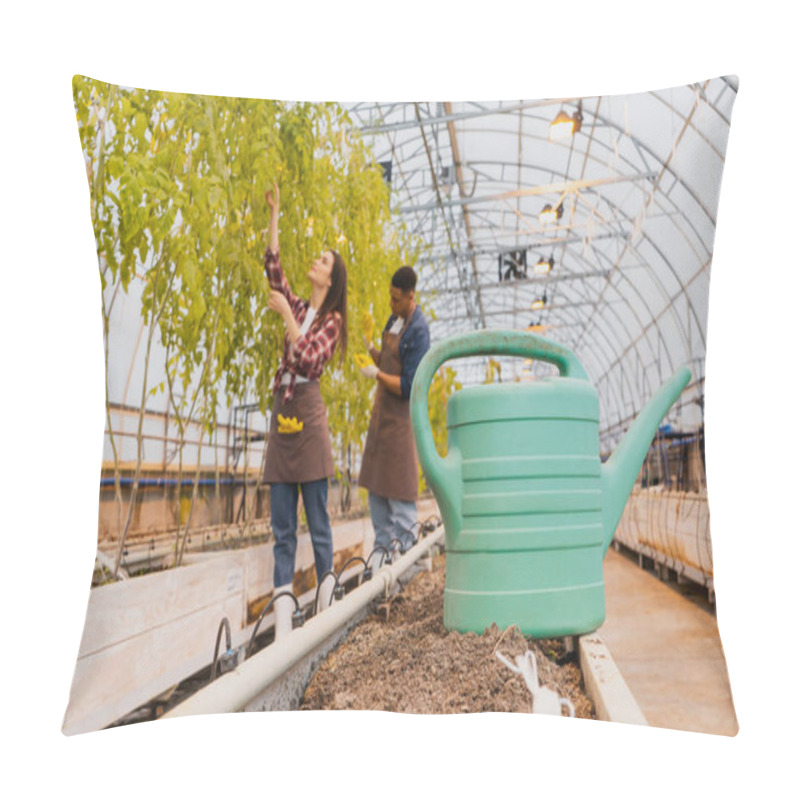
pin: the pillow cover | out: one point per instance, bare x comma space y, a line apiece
585, 222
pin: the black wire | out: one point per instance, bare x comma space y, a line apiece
263, 614
227, 626
319, 586
347, 563
375, 550
419, 525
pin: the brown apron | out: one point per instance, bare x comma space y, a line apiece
304, 456
389, 465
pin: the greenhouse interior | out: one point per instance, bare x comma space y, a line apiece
562, 253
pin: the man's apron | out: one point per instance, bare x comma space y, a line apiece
389, 464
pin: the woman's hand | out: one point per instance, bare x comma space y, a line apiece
273, 197
278, 302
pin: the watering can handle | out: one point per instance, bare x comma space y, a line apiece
499, 342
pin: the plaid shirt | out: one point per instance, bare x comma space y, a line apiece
311, 351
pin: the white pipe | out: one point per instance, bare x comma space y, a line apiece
283, 612
234, 690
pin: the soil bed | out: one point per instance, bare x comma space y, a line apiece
401, 658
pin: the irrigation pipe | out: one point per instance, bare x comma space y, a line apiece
234, 690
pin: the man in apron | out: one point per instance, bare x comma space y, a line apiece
389, 466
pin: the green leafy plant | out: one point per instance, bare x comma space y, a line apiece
444, 383
177, 204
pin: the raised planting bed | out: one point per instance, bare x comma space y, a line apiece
401, 658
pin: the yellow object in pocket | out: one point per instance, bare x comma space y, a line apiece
362, 360
289, 424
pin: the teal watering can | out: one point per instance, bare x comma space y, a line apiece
528, 508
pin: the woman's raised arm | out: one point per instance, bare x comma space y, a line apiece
273, 197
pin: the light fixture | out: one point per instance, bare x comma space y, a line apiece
543, 266
548, 215
565, 125
539, 302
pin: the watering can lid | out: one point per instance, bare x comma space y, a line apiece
549, 398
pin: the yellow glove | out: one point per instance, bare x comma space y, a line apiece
289, 424
362, 360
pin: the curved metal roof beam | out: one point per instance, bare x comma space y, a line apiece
372, 130
695, 128
454, 148
653, 274
658, 316
556, 188
452, 234
646, 237
607, 123
607, 354
614, 347
655, 278
681, 215
602, 256
643, 213
597, 143
644, 325
652, 244
481, 111
622, 348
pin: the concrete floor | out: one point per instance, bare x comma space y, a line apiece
668, 649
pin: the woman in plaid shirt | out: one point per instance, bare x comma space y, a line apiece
299, 459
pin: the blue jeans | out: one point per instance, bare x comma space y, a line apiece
283, 516
391, 519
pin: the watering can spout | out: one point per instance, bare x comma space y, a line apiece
620, 471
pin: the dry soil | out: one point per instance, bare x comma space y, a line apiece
401, 658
